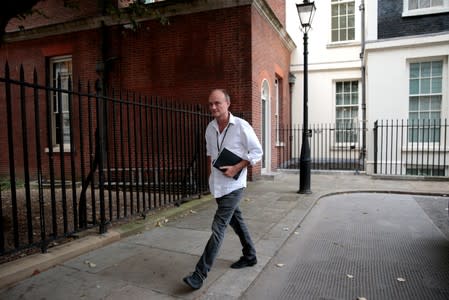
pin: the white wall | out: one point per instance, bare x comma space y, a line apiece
327, 62
387, 78
387, 73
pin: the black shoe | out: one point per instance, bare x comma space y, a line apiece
243, 262
195, 281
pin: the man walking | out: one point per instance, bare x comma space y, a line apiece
237, 136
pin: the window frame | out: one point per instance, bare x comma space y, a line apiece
54, 113
347, 27
355, 136
421, 137
424, 11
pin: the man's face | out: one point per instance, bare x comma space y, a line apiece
218, 105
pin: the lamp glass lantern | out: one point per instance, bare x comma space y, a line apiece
306, 11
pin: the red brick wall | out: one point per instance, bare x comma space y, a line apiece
231, 48
188, 58
33, 54
271, 59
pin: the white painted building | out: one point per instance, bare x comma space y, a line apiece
400, 37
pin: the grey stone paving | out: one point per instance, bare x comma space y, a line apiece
361, 245
334, 238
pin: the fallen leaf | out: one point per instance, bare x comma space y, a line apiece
400, 279
361, 298
247, 199
285, 228
192, 211
92, 265
280, 265
296, 232
349, 276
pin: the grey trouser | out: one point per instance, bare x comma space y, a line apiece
228, 212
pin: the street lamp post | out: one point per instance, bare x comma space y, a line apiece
306, 11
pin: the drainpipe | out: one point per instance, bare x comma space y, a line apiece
362, 59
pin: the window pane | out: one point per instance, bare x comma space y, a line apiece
343, 22
66, 128
435, 103
413, 118
339, 87
414, 70
351, 8
413, 105
424, 103
334, 35
339, 99
425, 69
355, 98
435, 116
412, 4
343, 35
65, 103
347, 99
414, 86
355, 113
436, 85
334, 22
355, 86
423, 115
437, 2
351, 34
342, 9
347, 87
334, 10
339, 113
424, 3
425, 86
437, 68
351, 21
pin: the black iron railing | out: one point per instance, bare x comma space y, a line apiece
101, 157
411, 147
332, 147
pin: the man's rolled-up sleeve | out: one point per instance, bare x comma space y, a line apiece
253, 146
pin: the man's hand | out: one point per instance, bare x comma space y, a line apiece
231, 171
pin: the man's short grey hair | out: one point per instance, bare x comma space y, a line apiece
225, 93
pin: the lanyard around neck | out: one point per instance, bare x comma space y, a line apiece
221, 144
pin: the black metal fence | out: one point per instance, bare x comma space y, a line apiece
411, 147
331, 147
99, 158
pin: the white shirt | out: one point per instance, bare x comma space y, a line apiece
238, 137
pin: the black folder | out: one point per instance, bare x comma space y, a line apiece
227, 158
